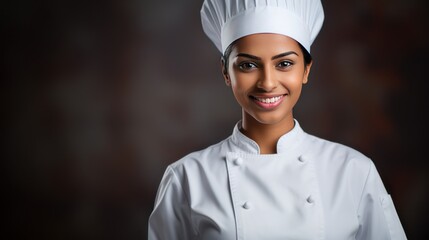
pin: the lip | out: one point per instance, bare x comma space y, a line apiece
268, 102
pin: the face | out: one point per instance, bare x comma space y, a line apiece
266, 73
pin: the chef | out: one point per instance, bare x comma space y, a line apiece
270, 179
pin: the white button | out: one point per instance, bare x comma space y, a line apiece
310, 199
238, 161
301, 159
247, 205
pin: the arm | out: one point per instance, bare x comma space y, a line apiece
170, 218
376, 212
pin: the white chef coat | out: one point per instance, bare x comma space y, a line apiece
310, 189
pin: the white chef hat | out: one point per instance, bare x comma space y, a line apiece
225, 21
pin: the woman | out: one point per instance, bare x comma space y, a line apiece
270, 179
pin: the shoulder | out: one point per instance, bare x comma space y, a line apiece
211, 155
336, 152
339, 162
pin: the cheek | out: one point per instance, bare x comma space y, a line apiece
242, 82
296, 79
240, 91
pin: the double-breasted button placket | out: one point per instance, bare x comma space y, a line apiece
309, 199
256, 181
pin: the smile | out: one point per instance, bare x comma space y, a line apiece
268, 102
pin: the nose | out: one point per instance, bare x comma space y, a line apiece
267, 80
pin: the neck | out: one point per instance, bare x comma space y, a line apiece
266, 135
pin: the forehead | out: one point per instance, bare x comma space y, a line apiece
266, 43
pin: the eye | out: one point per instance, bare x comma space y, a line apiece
284, 64
247, 66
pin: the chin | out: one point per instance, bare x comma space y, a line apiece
270, 120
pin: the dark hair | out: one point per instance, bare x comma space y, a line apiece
225, 57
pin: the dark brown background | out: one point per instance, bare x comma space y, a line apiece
98, 97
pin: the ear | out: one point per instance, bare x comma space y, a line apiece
307, 72
225, 72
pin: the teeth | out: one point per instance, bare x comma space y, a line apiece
269, 100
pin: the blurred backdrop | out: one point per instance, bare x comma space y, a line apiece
99, 97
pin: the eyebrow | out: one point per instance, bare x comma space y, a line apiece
274, 57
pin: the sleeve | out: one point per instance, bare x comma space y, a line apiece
170, 218
376, 212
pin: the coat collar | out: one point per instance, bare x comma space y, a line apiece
288, 142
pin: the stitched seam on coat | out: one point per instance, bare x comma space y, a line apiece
187, 200
316, 188
364, 186
233, 196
